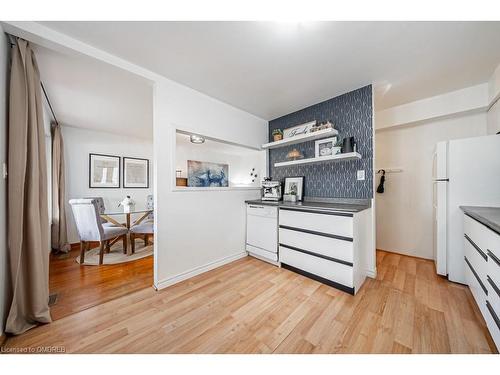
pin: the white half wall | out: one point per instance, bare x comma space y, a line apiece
4, 279
404, 211
197, 231
78, 143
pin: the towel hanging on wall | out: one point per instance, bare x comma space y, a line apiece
380, 188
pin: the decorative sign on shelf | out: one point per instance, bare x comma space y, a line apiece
299, 129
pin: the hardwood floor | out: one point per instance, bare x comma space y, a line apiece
249, 306
81, 287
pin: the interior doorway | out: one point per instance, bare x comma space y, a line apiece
106, 116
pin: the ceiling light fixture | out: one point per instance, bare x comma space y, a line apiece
197, 139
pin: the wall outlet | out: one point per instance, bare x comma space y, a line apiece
361, 175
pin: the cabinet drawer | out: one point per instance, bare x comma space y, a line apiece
476, 258
493, 322
337, 224
336, 272
493, 294
484, 237
323, 245
475, 287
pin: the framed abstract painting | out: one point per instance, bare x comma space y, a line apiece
135, 173
206, 174
104, 171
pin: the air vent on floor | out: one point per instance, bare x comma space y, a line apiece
52, 299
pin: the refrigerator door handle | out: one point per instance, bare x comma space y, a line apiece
442, 180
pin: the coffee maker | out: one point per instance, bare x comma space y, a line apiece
271, 190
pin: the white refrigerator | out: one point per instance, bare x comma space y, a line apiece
466, 172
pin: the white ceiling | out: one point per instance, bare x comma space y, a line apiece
89, 94
272, 68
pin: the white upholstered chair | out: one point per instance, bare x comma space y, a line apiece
90, 227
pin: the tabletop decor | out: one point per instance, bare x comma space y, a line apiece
295, 186
299, 129
326, 147
127, 204
104, 171
135, 173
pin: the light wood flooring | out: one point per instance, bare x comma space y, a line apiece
81, 287
249, 306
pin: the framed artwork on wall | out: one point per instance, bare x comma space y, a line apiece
135, 173
295, 186
206, 174
104, 171
326, 147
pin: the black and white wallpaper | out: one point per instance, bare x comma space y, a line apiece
352, 116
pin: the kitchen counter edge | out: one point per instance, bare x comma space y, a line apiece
488, 216
317, 206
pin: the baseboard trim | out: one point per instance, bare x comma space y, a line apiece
198, 270
371, 273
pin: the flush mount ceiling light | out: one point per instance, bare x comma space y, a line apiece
197, 139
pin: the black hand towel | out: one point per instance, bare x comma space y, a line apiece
380, 188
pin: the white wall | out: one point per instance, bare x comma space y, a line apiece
4, 281
404, 210
196, 230
241, 160
494, 118
78, 143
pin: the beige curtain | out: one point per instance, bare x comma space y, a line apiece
59, 234
28, 227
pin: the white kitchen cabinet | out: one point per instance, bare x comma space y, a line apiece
482, 270
330, 246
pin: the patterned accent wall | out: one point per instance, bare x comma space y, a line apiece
351, 115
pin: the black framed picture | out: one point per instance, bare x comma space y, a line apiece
135, 173
295, 186
104, 171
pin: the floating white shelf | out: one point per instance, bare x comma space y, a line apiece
338, 157
301, 138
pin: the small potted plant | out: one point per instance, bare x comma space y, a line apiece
277, 135
337, 148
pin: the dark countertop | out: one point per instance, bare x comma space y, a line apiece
320, 206
489, 216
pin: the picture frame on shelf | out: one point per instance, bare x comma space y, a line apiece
104, 171
135, 173
326, 147
299, 129
295, 186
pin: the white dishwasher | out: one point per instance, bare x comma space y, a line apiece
262, 232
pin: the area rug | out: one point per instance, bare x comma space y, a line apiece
116, 256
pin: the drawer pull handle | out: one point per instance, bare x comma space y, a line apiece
344, 262
476, 276
493, 285
493, 314
494, 257
317, 211
336, 236
481, 252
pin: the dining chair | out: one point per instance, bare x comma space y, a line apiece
90, 227
145, 227
150, 206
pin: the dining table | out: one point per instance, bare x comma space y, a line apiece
112, 216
